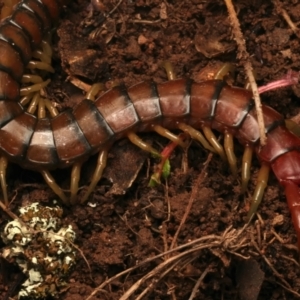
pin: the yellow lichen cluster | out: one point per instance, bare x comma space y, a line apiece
42, 249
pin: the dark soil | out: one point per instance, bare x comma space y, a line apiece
126, 222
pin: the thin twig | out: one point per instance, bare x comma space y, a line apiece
195, 189
117, 5
284, 283
248, 68
154, 282
227, 241
8, 211
199, 281
286, 17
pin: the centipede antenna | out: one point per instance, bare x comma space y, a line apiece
197, 135
136, 140
214, 142
262, 182
169, 135
229, 150
75, 176
3, 167
246, 166
54, 186
101, 164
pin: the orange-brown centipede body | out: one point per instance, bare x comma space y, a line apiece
72, 136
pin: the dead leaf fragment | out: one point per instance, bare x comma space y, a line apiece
249, 277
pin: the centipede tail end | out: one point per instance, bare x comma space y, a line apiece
292, 192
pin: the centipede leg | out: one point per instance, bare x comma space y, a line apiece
94, 90
246, 165
42, 56
30, 78
167, 65
293, 127
75, 176
136, 140
41, 109
47, 49
101, 164
196, 135
214, 142
40, 65
34, 88
169, 135
34, 103
54, 186
3, 167
262, 182
52, 110
229, 149
224, 70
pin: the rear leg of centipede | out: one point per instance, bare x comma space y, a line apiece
262, 178
262, 182
246, 166
292, 190
247, 158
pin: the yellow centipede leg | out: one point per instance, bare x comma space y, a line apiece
167, 65
196, 135
169, 135
262, 182
136, 140
34, 103
54, 186
30, 78
26, 99
40, 65
292, 127
75, 176
214, 142
52, 110
246, 166
34, 88
224, 70
3, 167
94, 90
47, 49
229, 150
101, 164
41, 109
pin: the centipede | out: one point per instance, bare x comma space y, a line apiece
46, 142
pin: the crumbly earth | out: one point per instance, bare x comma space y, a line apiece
126, 222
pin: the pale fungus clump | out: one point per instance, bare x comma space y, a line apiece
42, 249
